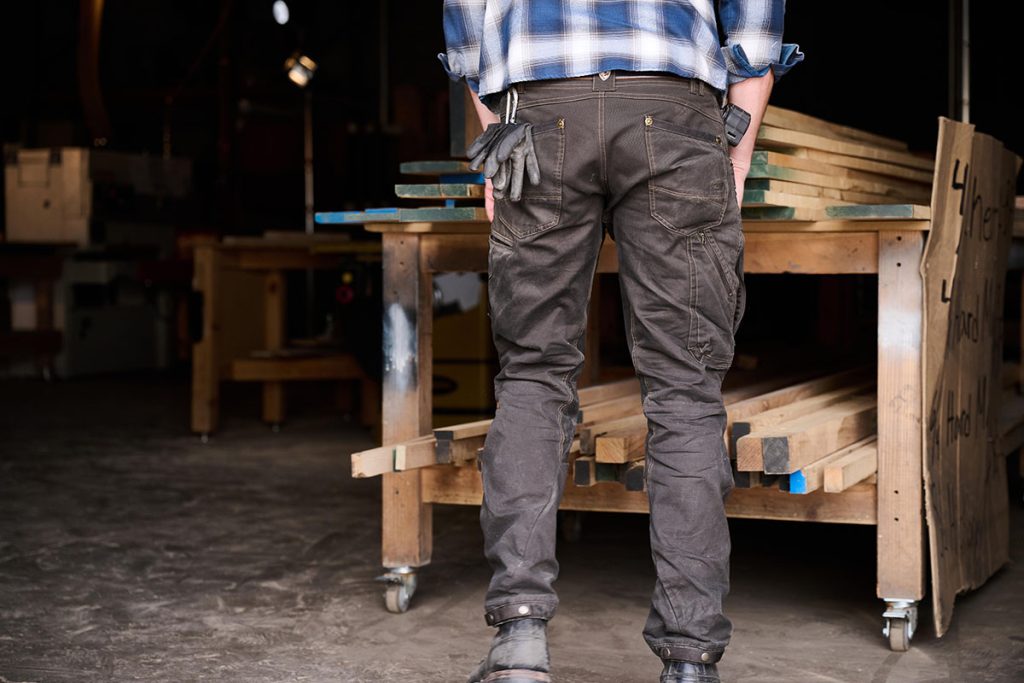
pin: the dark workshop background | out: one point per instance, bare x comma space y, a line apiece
209, 75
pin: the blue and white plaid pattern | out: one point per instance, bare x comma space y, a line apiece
495, 43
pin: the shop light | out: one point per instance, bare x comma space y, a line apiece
300, 69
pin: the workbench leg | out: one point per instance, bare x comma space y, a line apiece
274, 294
407, 532
901, 540
44, 321
205, 352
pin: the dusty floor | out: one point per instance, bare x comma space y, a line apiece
131, 551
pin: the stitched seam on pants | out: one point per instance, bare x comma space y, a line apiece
693, 344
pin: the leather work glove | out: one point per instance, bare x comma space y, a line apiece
505, 150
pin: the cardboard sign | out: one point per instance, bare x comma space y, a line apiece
964, 271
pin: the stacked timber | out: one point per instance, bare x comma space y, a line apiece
798, 434
805, 168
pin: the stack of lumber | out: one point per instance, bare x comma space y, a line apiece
800, 434
450, 181
459, 444
805, 168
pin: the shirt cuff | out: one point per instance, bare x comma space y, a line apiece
741, 69
474, 83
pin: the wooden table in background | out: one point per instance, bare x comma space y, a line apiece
214, 361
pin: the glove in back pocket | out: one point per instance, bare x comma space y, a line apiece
541, 205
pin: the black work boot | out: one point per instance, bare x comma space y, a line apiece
689, 672
519, 654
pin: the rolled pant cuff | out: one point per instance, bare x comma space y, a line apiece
686, 653
518, 610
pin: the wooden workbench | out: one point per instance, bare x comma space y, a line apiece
892, 249
224, 268
940, 275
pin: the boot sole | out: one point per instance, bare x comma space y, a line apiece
517, 676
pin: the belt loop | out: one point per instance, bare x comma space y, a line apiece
604, 81
693, 87
701, 87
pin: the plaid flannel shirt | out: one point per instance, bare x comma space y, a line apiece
495, 43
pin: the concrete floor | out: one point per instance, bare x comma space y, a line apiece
131, 551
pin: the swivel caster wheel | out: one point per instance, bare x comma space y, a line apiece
401, 585
900, 623
899, 634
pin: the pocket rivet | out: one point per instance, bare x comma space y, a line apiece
561, 123
648, 120
718, 139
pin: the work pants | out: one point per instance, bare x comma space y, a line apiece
646, 159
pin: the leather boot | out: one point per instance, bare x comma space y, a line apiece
519, 654
689, 672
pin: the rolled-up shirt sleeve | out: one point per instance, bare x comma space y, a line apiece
463, 29
753, 39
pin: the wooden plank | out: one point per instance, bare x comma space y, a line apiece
900, 545
792, 445
434, 167
610, 409
770, 185
466, 430
854, 467
782, 187
437, 191
780, 138
763, 198
797, 229
416, 453
406, 524
206, 352
381, 215
588, 472
811, 253
878, 211
373, 462
866, 165
621, 445
812, 477
443, 213
459, 451
849, 212
748, 407
461, 486
609, 390
309, 368
836, 178
481, 227
792, 410
793, 120
588, 434
815, 165
631, 431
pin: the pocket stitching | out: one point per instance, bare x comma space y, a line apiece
722, 202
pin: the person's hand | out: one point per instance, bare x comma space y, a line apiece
489, 199
740, 169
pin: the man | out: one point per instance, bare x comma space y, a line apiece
618, 104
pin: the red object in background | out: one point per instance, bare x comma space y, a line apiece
344, 294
